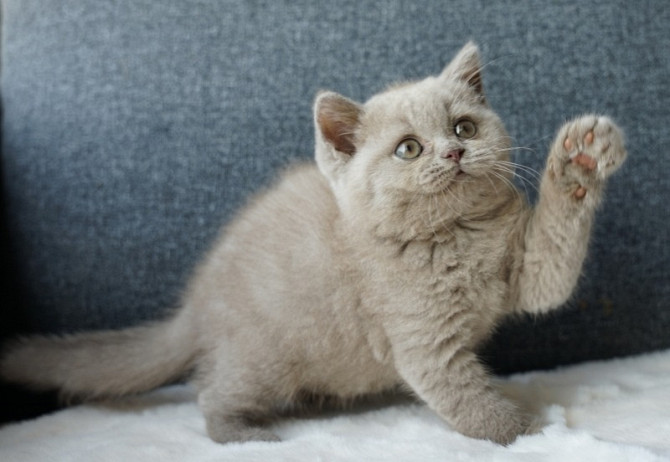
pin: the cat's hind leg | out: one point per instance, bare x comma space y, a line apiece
236, 415
235, 424
240, 401
236, 429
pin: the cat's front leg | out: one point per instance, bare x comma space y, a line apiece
586, 151
449, 378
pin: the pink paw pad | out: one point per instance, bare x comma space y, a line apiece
579, 158
585, 161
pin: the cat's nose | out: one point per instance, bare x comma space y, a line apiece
454, 154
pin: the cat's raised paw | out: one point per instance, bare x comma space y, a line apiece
587, 150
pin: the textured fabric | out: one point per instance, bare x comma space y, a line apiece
134, 128
610, 411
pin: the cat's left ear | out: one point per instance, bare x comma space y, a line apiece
466, 66
337, 120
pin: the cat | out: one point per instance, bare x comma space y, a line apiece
384, 264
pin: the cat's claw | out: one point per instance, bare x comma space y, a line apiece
588, 149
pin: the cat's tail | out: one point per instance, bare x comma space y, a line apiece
105, 363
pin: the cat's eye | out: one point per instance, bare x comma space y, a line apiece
409, 149
465, 128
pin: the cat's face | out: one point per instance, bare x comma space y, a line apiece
417, 155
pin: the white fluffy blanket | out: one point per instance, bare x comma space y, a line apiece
617, 410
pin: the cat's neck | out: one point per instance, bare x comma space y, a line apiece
434, 218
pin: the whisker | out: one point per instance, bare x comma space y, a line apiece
514, 166
433, 222
525, 182
445, 226
517, 148
505, 181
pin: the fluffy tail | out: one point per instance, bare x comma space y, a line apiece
106, 363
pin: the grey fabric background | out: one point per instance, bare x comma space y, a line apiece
133, 129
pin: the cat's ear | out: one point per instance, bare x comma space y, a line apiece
336, 119
466, 66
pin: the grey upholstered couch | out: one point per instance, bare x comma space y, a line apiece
132, 129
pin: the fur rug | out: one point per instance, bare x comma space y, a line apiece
617, 410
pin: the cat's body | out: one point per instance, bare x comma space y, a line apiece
384, 266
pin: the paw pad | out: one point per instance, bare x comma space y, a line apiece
592, 148
579, 158
588, 162
588, 140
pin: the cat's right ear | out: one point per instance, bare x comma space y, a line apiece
337, 120
466, 67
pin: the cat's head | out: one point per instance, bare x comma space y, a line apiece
417, 156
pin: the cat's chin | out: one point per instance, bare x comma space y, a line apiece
441, 180
456, 180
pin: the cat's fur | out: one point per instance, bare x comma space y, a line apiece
365, 273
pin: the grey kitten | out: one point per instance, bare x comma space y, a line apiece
384, 265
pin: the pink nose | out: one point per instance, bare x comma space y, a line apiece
454, 155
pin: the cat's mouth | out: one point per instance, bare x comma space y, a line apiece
437, 180
457, 173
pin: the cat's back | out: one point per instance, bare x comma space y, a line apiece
281, 242
299, 205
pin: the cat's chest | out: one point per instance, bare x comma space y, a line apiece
466, 271
470, 256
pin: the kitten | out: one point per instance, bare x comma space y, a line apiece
384, 265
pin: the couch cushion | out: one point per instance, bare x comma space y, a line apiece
133, 129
